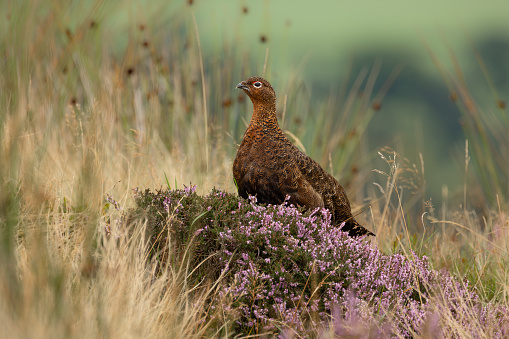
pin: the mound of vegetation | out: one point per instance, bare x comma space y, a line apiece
286, 271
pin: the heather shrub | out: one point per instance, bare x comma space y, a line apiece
287, 271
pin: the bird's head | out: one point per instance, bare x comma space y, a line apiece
259, 90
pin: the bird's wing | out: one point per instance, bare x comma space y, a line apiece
279, 161
301, 192
333, 195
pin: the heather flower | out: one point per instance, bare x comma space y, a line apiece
284, 269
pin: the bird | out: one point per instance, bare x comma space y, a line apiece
271, 168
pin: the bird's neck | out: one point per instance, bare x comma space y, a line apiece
265, 115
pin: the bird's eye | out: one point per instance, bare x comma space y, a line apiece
257, 84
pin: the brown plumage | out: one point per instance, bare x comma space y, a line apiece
270, 167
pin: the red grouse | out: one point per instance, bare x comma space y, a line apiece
270, 167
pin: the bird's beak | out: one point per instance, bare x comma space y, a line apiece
242, 86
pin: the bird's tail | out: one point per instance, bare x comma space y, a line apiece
355, 229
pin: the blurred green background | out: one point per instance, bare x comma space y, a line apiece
324, 41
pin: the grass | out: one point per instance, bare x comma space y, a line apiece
484, 126
80, 122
